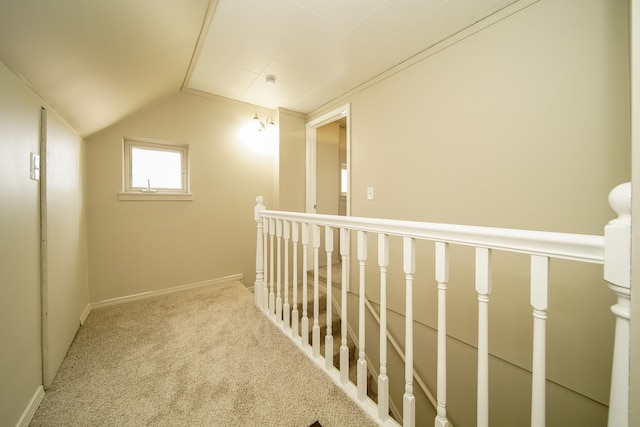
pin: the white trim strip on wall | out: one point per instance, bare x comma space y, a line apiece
150, 294
31, 409
85, 314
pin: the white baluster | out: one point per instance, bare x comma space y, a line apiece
442, 277
617, 271
362, 361
344, 349
328, 339
316, 291
265, 297
483, 289
383, 379
408, 401
304, 326
539, 287
259, 283
272, 295
279, 271
286, 308
294, 312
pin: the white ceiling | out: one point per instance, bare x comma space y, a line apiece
96, 62
317, 50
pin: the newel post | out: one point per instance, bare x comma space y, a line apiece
259, 283
617, 271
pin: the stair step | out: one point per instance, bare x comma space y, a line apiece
322, 300
337, 343
372, 391
372, 388
336, 274
322, 320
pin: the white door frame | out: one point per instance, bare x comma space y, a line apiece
330, 117
47, 375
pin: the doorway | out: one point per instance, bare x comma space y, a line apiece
328, 171
328, 163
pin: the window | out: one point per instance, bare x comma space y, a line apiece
155, 171
343, 180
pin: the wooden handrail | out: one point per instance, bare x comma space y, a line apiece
613, 250
576, 247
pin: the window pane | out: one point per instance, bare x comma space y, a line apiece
343, 179
162, 169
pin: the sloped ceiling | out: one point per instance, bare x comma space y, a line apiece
95, 62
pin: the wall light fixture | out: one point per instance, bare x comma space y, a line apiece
259, 126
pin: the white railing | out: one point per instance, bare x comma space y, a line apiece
295, 229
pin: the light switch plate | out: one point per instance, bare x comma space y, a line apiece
370, 194
34, 163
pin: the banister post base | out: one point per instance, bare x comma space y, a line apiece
617, 271
408, 410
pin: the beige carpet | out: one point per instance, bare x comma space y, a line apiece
202, 357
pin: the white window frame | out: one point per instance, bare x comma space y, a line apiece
134, 193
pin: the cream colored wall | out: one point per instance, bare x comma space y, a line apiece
21, 365
634, 395
292, 166
328, 180
20, 359
327, 169
141, 246
524, 124
67, 275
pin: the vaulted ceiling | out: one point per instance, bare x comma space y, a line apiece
95, 62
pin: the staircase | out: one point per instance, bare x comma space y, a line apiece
278, 231
335, 323
322, 321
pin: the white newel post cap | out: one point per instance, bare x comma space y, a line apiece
620, 202
259, 208
617, 238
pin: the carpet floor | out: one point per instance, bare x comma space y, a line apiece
201, 357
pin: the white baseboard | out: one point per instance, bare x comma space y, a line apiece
150, 294
85, 314
31, 409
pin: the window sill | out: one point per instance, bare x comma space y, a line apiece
154, 196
